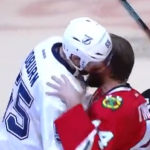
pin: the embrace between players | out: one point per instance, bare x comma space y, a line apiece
50, 108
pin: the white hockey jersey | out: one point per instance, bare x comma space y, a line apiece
28, 120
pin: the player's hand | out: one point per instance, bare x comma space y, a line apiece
65, 91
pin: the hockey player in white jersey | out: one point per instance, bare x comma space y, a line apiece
28, 120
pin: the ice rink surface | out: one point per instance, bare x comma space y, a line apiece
24, 23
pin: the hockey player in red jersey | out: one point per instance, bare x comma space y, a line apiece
118, 116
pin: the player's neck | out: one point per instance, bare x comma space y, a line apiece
110, 84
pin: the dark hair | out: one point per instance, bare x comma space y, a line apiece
121, 59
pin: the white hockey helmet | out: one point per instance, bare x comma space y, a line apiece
88, 40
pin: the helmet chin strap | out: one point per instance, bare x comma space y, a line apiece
76, 73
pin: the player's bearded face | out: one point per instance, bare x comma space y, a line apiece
91, 68
83, 72
95, 80
76, 61
96, 74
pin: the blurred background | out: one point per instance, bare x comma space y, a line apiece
25, 23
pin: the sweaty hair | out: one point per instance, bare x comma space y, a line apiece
122, 59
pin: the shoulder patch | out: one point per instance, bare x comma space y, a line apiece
112, 102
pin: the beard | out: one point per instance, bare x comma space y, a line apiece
95, 80
83, 72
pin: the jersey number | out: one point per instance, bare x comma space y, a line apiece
19, 130
105, 137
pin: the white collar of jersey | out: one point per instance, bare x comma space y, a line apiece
120, 88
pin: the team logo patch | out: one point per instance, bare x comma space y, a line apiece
112, 102
87, 40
